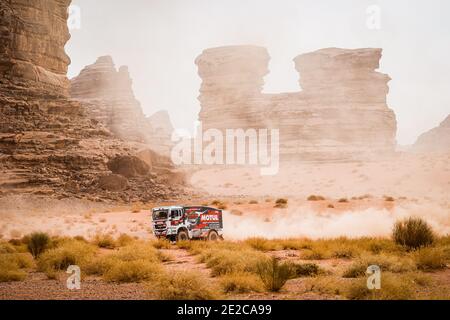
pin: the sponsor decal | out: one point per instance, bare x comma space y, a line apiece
210, 218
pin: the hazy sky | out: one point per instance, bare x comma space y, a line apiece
160, 39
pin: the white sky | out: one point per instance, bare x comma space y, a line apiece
160, 39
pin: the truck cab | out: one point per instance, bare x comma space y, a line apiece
179, 223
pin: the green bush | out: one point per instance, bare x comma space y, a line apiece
38, 242
274, 274
413, 233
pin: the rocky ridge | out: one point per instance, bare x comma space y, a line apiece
49, 144
111, 101
340, 113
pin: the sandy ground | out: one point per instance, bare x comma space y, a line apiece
38, 287
417, 185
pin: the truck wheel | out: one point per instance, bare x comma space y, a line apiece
213, 236
182, 236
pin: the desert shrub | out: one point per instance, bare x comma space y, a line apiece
186, 245
328, 285
80, 238
343, 200
132, 271
389, 199
138, 251
7, 248
315, 198
135, 262
124, 240
413, 233
274, 274
295, 244
10, 271
161, 244
344, 252
182, 286
253, 202
304, 270
262, 244
66, 254
429, 259
281, 203
385, 262
316, 253
393, 287
241, 283
100, 265
12, 265
105, 241
225, 261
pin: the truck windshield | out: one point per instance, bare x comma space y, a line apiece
160, 214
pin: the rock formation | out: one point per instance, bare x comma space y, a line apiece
33, 35
49, 144
110, 96
341, 112
436, 140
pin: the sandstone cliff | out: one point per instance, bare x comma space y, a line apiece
50, 145
436, 140
33, 37
341, 112
111, 101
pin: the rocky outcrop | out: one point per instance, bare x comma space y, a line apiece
436, 140
33, 35
162, 131
111, 101
50, 145
341, 112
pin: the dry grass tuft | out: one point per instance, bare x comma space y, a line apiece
241, 283
274, 274
68, 252
413, 233
315, 198
105, 241
430, 259
182, 286
281, 203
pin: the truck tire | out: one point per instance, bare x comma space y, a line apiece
213, 235
182, 236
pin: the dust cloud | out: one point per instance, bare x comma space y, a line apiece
303, 222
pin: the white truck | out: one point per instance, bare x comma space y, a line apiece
180, 223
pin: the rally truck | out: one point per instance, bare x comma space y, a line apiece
179, 223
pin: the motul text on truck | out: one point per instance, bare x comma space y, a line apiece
185, 223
